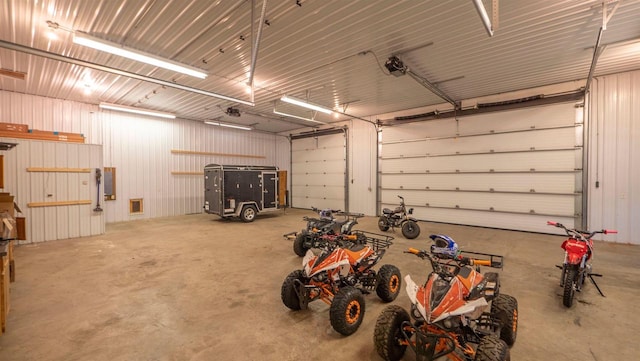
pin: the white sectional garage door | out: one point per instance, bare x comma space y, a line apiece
318, 171
513, 169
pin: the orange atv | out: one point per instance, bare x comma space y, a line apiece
339, 275
458, 314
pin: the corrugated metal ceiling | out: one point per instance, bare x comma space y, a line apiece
331, 51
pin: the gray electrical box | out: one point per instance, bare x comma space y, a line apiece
240, 190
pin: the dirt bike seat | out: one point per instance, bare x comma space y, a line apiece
387, 211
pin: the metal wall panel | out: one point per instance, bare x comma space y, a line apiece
363, 142
54, 222
140, 149
614, 156
50, 114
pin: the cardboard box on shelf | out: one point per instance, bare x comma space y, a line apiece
6, 204
8, 227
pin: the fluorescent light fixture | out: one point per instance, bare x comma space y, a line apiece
123, 108
234, 126
297, 117
484, 17
305, 104
115, 49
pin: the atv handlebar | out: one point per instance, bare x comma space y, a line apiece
414, 251
317, 210
459, 259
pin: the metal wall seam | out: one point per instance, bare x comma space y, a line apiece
614, 159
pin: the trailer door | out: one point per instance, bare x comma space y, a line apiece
213, 190
269, 190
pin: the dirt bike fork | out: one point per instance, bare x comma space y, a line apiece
564, 273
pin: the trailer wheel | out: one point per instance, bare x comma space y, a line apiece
248, 213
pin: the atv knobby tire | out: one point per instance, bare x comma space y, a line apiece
387, 335
347, 310
388, 282
383, 225
505, 309
492, 348
288, 290
298, 244
410, 229
569, 286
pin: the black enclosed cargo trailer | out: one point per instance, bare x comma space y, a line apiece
240, 190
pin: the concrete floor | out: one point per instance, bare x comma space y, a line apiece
200, 288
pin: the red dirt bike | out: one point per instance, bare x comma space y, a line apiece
339, 276
456, 308
314, 236
576, 267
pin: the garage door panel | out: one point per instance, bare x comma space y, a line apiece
318, 168
329, 154
432, 128
539, 139
303, 144
525, 161
505, 180
503, 202
532, 223
518, 182
315, 179
334, 141
539, 117
328, 167
324, 191
321, 203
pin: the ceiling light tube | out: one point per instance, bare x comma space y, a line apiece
123, 108
110, 70
305, 104
112, 48
227, 125
297, 117
483, 16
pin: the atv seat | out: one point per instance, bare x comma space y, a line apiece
357, 253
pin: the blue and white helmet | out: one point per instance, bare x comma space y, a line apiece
326, 214
444, 246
